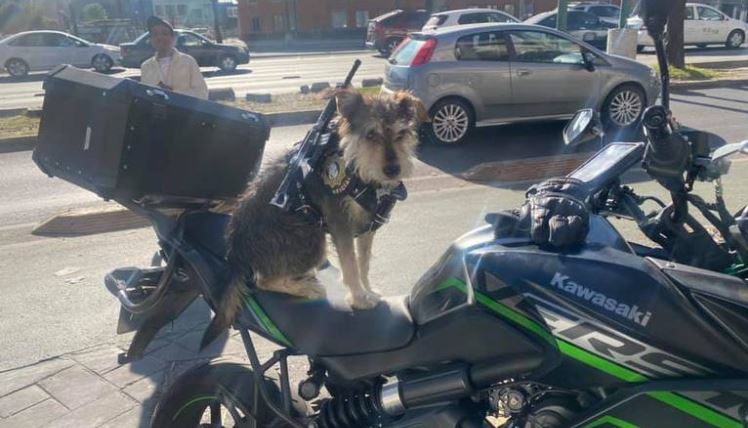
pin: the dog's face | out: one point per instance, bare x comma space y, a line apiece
380, 134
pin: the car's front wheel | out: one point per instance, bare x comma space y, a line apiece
227, 63
624, 106
102, 63
452, 120
17, 67
735, 39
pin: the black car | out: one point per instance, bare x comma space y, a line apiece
207, 52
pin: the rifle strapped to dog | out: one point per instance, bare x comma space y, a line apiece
309, 152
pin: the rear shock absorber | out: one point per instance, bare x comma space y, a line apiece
351, 410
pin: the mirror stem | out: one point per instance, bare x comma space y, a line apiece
664, 71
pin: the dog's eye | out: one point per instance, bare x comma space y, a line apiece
370, 135
403, 133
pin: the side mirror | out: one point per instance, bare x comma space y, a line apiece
588, 60
584, 126
730, 149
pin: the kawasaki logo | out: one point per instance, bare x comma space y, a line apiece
630, 312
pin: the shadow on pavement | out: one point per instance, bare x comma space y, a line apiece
35, 77
508, 156
177, 346
495, 144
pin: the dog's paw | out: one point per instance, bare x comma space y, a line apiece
363, 300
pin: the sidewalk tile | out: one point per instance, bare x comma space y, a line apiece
20, 400
173, 352
36, 415
100, 359
223, 345
133, 418
145, 388
76, 386
134, 371
96, 412
16, 379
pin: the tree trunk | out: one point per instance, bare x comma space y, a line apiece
675, 51
216, 22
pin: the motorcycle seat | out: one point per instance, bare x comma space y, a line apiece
315, 327
330, 327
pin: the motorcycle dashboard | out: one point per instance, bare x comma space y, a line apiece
608, 164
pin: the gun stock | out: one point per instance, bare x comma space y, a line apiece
296, 171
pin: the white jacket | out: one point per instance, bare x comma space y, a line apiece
184, 75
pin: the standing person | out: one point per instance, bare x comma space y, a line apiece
169, 68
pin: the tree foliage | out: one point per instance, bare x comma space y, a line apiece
93, 12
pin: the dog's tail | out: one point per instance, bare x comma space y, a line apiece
227, 307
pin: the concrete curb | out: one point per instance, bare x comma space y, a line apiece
90, 221
708, 84
17, 144
733, 63
292, 118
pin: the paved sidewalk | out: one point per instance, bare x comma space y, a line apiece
88, 388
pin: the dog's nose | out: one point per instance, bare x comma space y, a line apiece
392, 170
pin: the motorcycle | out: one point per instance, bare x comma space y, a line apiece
609, 333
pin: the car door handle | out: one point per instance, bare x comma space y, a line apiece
523, 72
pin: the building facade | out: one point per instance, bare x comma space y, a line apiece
185, 13
260, 19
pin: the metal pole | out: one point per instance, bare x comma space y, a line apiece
625, 12
563, 6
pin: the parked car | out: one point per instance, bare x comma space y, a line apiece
44, 50
206, 52
704, 25
608, 13
487, 74
386, 31
583, 25
466, 16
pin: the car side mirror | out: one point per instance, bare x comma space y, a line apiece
588, 61
584, 126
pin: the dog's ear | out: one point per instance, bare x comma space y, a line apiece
349, 102
410, 107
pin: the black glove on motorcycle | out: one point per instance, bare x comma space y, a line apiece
557, 216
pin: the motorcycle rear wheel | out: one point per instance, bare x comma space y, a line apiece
217, 394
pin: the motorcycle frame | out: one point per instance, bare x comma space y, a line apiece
161, 307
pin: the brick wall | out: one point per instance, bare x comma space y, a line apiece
260, 19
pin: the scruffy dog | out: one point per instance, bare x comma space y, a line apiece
281, 251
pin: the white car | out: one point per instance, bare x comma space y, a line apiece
466, 16
704, 25
605, 11
44, 50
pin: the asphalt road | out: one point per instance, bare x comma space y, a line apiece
262, 75
285, 74
53, 300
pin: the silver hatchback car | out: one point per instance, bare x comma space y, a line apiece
489, 74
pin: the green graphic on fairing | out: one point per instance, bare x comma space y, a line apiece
266, 322
570, 350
